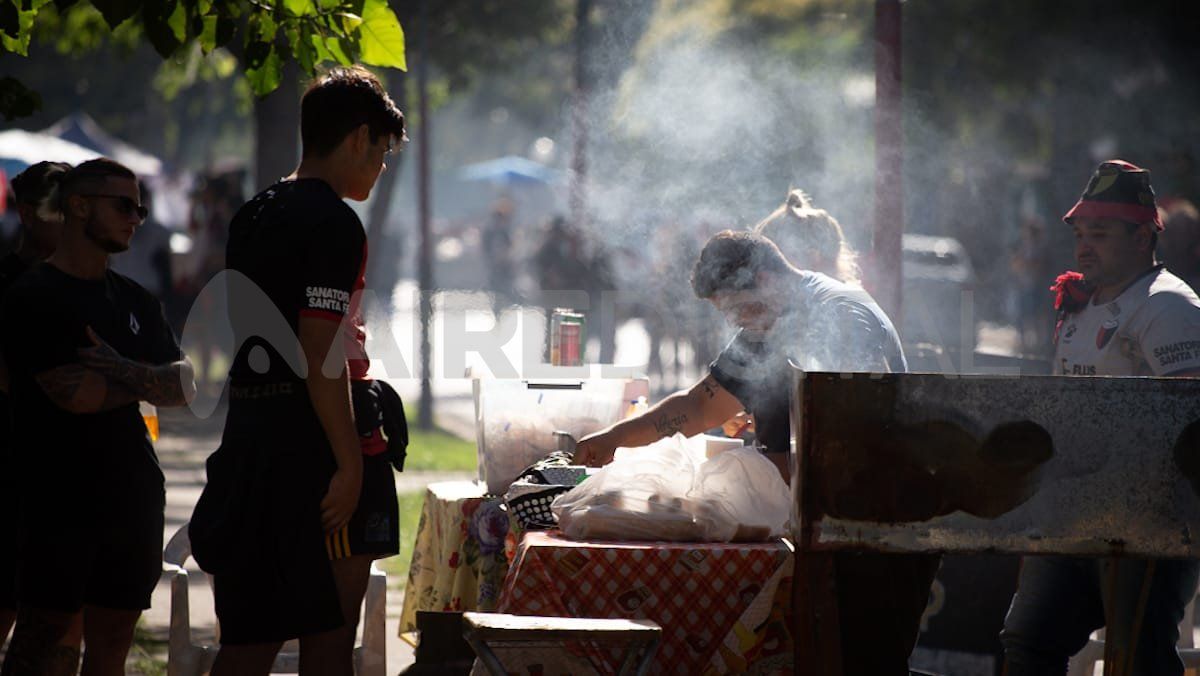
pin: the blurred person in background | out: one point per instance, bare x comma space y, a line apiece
1181, 240
213, 207
35, 194
1029, 265
1125, 315
498, 255
84, 346
810, 239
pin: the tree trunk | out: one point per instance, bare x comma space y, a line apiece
277, 130
384, 261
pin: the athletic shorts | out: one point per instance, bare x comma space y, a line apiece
257, 526
102, 550
375, 526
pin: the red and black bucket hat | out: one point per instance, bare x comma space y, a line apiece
1118, 190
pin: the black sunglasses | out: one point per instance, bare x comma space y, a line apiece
125, 205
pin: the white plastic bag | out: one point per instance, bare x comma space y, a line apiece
668, 491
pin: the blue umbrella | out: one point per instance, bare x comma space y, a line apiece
510, 170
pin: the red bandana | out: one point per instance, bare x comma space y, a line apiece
1072, 294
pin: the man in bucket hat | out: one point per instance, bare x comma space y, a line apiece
1123, 314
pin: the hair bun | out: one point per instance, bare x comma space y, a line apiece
798, 199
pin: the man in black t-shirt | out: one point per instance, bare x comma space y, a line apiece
274, 525
36, 194
84, 345
819, 324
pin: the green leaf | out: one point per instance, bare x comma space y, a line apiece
330, 4
302, 45
164, 22
339, 50
300, 7
18, 41
116, 12
10, 19
381, 37
256, 54
17, 100
350, 22
266, 76
208, 34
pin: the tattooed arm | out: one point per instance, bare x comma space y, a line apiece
704, 406
78, 389
170, 384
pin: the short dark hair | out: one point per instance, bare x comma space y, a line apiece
91, 175
340, 100
731, 261
37, 181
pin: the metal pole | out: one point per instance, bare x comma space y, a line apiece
889, 160
425, 257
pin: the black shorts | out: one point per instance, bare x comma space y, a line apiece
102, 550
257, 526
375, 526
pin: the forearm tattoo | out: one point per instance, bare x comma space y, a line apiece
667, 425
35, 650
159, 385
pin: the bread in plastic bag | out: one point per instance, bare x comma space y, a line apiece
668, 491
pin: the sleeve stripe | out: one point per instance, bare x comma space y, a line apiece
322, 314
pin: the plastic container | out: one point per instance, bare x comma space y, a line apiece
515, 420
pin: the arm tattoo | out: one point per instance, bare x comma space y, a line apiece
62, 385
668, 425
159, 385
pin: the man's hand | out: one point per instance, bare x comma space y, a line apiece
101, 357
593, 451
742, 422
341, 499
162, 385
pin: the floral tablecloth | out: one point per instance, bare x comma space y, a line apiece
724, 608
459, 560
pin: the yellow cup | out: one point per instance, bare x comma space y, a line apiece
150, 417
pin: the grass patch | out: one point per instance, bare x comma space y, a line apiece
437, 450
410, 517
147, 656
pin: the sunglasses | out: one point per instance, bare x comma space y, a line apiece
125, 205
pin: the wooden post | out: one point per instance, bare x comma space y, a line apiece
889, 162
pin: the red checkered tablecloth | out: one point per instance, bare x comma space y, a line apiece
724, 608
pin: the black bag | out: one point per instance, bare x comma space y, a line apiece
377, 405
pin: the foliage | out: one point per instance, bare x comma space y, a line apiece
271, 32
438, 451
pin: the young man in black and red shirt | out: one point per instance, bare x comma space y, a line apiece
298, 504
83, 346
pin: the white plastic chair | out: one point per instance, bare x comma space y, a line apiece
1084, 662
185, 658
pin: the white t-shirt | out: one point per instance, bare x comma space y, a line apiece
1151, 329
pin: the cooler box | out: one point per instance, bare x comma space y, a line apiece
515, 419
